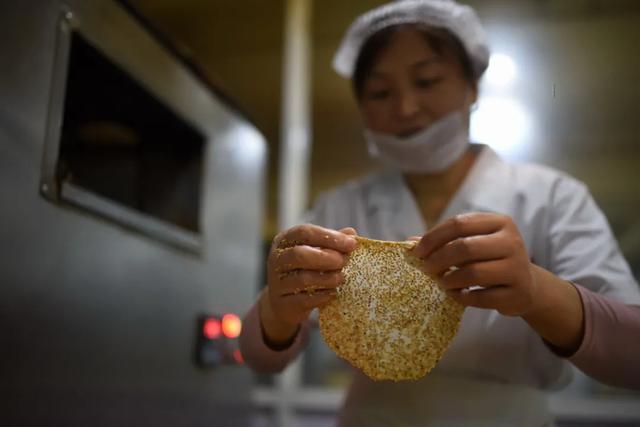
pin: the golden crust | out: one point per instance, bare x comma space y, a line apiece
389, 318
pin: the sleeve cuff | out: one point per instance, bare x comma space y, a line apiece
262, 356
587, 329
587, 335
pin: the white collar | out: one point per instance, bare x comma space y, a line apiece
483, 189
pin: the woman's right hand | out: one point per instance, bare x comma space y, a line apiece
303, 272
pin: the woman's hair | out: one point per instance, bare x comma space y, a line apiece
440, 40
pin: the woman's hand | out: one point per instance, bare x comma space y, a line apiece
303, 272
486, 250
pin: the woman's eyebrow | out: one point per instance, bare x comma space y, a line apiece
376, 74
427, 62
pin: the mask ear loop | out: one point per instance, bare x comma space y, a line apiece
470, 109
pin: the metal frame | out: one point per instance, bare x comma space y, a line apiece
49, 185
295, 152
57, 191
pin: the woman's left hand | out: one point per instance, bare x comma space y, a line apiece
481, 249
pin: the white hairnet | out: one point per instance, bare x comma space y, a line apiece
460, 20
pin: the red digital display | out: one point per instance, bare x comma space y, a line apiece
212, 328
231, 325
216, 342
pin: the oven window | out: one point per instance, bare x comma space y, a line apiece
120, 142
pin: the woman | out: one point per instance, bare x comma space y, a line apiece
531, 237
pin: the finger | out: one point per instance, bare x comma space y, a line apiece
491, 298
465, 250
310, 281
307, 258
414, 238
349, 231
323, 304
486, 274
313, 235
312, 292
459, 226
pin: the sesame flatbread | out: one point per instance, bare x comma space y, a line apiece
389, 318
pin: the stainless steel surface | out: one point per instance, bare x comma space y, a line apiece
60, 191
159, 230
98, 323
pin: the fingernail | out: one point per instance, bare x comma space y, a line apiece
351, 242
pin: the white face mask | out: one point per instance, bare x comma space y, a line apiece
432, 150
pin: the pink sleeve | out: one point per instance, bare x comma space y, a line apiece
610, 349
257, 355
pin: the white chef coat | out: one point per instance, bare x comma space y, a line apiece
496, 364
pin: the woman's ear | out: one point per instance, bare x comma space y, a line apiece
471, 98
473, 94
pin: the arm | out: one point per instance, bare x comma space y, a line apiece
611, 345
261, 356
480, 260
557, 314
303, 271
488, 251
599, 335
